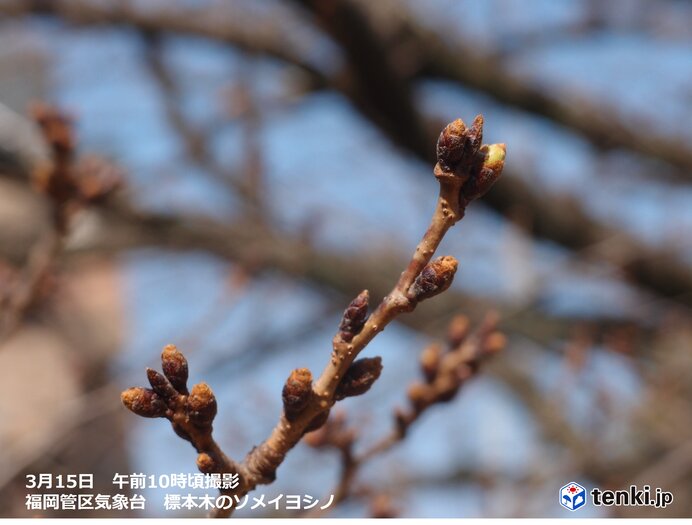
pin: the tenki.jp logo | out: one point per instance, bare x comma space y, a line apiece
572, 496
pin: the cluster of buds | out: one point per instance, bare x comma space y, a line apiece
69, 183
298, 394
445, 370
189, 412
465, 162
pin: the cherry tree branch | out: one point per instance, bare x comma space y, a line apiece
466, 169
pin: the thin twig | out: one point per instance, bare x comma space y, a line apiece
465, 171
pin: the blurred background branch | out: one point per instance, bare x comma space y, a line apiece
246, 128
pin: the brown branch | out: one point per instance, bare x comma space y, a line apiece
191, 413
386, 100
217, 22
68, 186
444, 371
659, 270
465, 170
462, 163
194, 140
462, 62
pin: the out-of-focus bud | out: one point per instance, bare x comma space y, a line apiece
174, 367
359, 377
206, 464
297, 392
354, 317
419, 395
435, 278
446, 388
485, 174
430, 361
458, 330
143, 402
56, 126
160, 384
494, 343
201, 405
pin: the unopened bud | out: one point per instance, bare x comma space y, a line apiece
359, 377
419, 395
458, 145
494, 342
201, 405
435, 278
160, 384
475, 134
206, 464
430, 361
143, 402
354, 317
174, 367
458, 329
485, 174
297, 392
446, 388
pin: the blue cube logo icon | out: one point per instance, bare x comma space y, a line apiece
572, 496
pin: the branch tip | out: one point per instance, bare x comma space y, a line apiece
201, 405
160, 384
175, 368
143, 402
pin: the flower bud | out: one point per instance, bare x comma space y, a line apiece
446, 388
354, 317
495, 342
201, 405
143, 402
435, 278
297, 392
359, 377
458, 145
475, 134
174, 367
430, 361
419, 395
458, 330
206, 464
485, 174
160, 384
